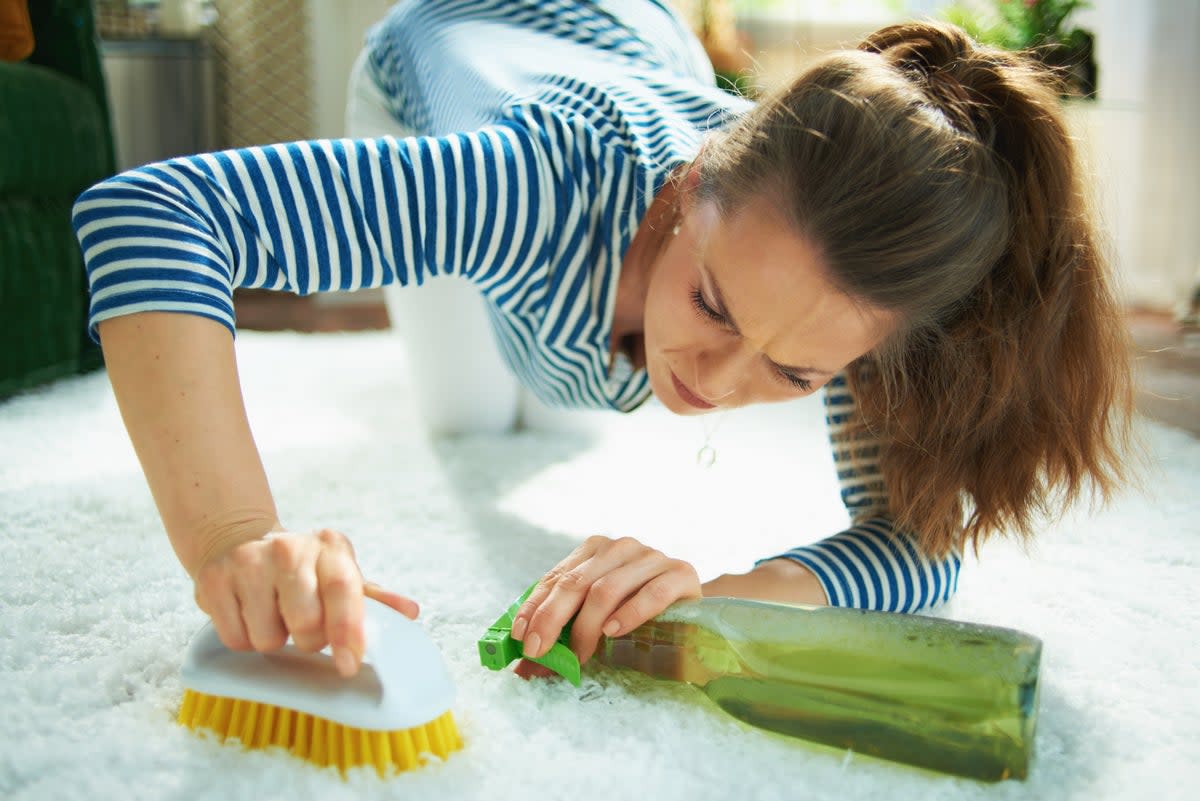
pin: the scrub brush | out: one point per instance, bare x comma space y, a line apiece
392, 714
955, 697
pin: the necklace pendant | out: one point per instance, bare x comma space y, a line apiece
706, 457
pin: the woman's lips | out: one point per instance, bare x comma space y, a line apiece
688, 396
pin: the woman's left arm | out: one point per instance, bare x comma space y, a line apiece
870, 565
867, 566
612, 586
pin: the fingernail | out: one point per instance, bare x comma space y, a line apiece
533, 646
612, 627
518, 630
344, 661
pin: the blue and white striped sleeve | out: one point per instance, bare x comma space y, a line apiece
317, 216
870, 565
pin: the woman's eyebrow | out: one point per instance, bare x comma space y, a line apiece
723, 308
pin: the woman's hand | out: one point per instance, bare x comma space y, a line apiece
305, 585
610, 586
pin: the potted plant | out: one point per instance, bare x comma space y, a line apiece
1040, 27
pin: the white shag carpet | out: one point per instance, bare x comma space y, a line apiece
95, 611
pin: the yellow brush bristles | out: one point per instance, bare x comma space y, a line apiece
318, 740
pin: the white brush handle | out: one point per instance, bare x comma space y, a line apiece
388, 636
403, 682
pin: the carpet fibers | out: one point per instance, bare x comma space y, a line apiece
95, 612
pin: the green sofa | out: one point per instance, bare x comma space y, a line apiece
55, 141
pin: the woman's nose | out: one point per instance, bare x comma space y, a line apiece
720, 373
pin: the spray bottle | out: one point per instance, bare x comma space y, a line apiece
955, 697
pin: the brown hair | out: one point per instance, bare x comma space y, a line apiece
939, 180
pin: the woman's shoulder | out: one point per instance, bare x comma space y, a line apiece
646, 126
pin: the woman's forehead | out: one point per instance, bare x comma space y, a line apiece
778, 289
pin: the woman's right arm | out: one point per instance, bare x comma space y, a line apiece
872, 564
176, 383
165, 245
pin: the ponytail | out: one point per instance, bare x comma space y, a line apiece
1018, 397
939, 180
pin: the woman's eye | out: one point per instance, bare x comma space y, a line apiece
708, 312
703, 308
802, 384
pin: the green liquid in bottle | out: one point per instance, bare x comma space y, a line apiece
954, 697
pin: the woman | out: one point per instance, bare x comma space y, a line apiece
901, 225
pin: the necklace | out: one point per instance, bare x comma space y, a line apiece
706, 457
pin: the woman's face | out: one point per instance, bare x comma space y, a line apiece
738, 311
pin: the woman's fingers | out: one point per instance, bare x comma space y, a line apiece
294, 561
541, 592
306, 586
607, 594
215, 596
402, 604
609, 587
677, 582
231, 590
341, 589
561, 594
260, 611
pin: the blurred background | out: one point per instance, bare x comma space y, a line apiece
185, 76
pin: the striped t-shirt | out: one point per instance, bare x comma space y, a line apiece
550, 125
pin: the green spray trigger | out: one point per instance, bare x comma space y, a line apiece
498, 649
